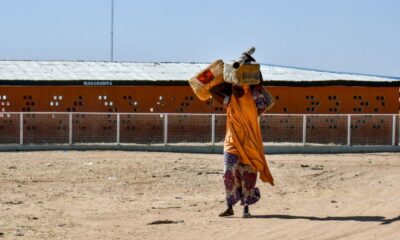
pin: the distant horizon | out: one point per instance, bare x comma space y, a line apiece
356, 37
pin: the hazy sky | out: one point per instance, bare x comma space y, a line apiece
360, 36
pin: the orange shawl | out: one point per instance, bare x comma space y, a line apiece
243, 135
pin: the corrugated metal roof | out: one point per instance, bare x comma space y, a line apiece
130, 71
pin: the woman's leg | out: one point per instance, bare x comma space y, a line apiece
250, 194
231, 182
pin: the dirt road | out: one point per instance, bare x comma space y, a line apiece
117, 195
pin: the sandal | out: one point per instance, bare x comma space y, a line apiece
228, 212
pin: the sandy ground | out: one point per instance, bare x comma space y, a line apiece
116, 195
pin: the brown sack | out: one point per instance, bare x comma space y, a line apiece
206, 79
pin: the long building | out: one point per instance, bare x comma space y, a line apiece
126, 87
80, 86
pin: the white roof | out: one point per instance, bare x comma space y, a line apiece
128, 71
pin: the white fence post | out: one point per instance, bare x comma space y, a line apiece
398, 134
118, 128
213, 129
348, 130
166, 128
70, 128
394, 130
304, 129
21, 128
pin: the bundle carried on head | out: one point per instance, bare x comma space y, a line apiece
209, 77
244, 71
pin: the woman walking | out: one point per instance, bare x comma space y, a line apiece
243, 148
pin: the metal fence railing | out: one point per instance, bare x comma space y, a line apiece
173, 128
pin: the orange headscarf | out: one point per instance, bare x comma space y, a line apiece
243, 135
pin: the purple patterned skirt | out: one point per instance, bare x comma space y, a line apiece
240, 181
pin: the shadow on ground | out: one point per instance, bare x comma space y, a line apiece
380, 219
